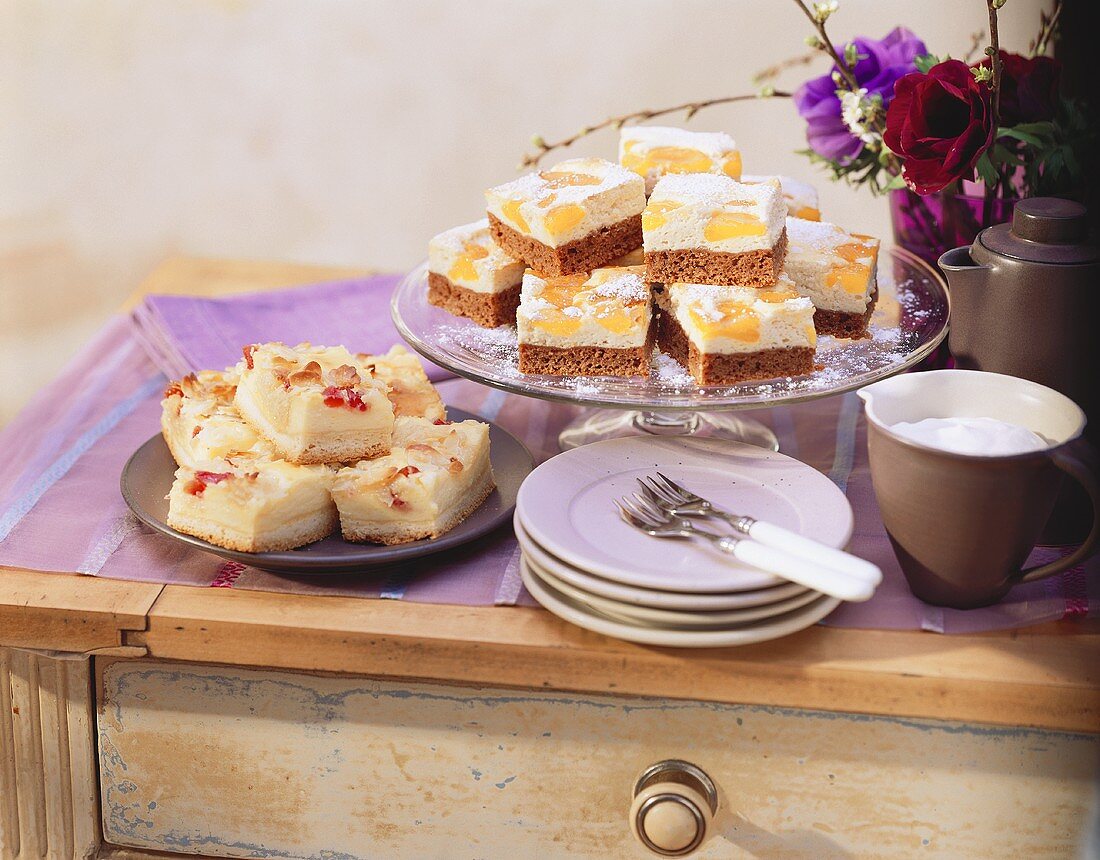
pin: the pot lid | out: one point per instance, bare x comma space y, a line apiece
1044, 230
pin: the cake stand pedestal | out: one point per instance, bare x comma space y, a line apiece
909, 322
595, 425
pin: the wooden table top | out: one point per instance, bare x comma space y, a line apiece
1045, 676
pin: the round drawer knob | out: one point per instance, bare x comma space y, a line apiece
674, 805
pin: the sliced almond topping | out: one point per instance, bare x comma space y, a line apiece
343, 376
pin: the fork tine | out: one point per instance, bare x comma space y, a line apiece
638, 512
656, 493
685, 495
653, 510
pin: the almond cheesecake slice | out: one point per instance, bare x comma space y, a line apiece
470, 276
410, 392
577, 216
724, 335
200, 423
253, 505
435, 476
700, 228
316, 404
589, 324
838, 272
654, 151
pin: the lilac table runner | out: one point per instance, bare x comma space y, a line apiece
60, 459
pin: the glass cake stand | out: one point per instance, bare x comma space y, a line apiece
908, 324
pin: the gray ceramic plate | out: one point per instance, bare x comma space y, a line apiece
147, 478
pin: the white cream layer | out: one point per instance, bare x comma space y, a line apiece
720, 319
608, 307
468, 256
546, 207
820, 273
653, 151
685, 212
800, 197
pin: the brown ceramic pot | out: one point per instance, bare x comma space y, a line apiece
962, 526
1024, 302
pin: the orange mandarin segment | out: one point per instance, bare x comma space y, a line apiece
565, 178
811, 335
653, 216
738, 322
732, 225
564, 218
559, 325
808, 213
852, 278
732, 165
619, 321
463, 269
852, 251
510, 208
776, 296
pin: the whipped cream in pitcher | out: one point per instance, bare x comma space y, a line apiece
981, 437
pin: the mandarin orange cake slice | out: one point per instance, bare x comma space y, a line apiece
435, 475
653, 151
724, 335
838, 272
316, 404
200, 423
800, 197
470, 276
701, 228
598, 324
253, 505
577, 216
410, 392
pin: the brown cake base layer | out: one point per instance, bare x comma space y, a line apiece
700, 266
586, 360
844, 323
581, 255
727, 369
487, 309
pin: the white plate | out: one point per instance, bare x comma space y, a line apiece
628, 594
567, 506
757, 631
647, 616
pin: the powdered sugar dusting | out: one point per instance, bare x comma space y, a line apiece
910, 319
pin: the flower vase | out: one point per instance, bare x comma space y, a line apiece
931, 225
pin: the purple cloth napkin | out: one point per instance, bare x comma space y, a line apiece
60, 460
187, 333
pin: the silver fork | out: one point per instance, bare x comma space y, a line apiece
650, 519
679, 501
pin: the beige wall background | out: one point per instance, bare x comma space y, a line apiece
346, 132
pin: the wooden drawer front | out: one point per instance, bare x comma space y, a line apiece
238, 763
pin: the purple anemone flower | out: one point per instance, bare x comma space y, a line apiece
817, 102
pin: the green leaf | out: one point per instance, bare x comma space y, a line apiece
924, 62
1025, 136
894, 183
986, 170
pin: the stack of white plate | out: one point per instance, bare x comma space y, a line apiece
585, 564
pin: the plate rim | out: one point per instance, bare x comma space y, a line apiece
750, 613
290, 563
808, 616
683, 598
538, 535
698, 401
